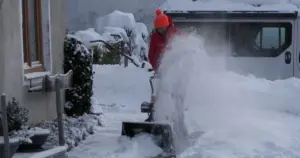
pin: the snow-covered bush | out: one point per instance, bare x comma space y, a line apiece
88, 35
110, 32
137, 33
120, 30
16, 116
79, 59
102, 55
75, 129
142, 28
116, 19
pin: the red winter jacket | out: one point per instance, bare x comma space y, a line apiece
158, 44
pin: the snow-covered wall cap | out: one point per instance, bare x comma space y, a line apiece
224, 5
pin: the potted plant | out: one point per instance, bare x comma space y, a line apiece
28, 137
14, 123
37, 136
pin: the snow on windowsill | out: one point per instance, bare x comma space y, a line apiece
35, 75
35, 78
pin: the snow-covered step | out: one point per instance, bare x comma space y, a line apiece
55, 152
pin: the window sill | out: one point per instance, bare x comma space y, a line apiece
34, 78
35, 75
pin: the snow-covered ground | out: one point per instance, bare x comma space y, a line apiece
241, 116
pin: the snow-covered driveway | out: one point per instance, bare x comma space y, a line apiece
118, 92
106, 142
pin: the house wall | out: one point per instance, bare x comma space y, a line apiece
41, 105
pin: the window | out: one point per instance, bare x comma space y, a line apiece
244, 39
271, 38
260, 39
32, 35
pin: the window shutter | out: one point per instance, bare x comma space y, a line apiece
46, 34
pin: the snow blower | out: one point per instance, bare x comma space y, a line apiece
161, 132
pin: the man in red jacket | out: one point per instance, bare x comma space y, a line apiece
164, 31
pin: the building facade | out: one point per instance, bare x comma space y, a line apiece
31, 46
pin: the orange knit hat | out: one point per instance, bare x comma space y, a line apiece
161, 21
158, 12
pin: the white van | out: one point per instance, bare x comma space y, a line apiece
263, 43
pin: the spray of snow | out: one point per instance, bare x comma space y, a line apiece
236, 118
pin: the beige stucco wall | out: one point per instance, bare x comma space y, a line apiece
41, 105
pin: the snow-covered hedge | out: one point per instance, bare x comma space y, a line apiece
79, 59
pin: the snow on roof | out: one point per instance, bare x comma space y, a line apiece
226, 5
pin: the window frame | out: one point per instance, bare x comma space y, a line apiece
29, 65
288, 37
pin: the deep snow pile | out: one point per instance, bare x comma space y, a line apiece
239, 115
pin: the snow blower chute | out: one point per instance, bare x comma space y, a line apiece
161, 132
